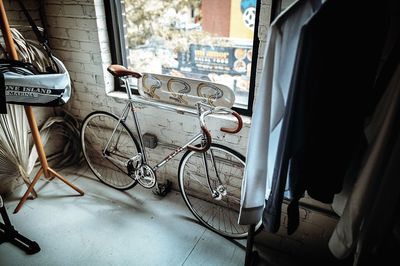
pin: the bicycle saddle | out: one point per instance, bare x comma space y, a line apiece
121, 71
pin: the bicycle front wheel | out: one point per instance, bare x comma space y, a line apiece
214, 201
99, 129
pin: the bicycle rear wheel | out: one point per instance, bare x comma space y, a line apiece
97, 130
218, 213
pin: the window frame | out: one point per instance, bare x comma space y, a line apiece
115, 27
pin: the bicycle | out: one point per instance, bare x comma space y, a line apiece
209, 175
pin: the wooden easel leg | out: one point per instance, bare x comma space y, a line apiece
55, 174
46, 170
37, 140
29, 190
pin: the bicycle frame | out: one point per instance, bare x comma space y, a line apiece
131, 107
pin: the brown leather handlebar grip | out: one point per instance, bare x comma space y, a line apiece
238, 128
208, 144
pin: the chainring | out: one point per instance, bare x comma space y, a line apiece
145, 176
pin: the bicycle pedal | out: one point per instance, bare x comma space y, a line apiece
162, 189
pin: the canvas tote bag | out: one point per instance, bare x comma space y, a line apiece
38, 78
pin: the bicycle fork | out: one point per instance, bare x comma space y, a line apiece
220, 190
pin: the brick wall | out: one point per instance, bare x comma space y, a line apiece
217, 18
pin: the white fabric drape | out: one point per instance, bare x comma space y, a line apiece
279, 58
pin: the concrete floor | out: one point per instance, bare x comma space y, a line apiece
110, 227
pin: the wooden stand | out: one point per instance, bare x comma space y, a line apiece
45, 169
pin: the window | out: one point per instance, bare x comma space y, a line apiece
212, 40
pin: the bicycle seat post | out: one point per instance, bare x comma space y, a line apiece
127, 86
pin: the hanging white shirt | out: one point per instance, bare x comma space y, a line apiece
279, 59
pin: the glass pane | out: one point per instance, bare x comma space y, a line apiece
210, 40
285, 4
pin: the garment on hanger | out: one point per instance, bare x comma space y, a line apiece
337, 65
381, 133
279, 57
367, 227
378, 224
388, 63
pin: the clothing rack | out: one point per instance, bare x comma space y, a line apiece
45, 169
251, 255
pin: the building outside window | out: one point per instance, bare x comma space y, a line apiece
211, 40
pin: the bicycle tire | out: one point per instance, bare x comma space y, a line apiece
220, 216
125, 144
